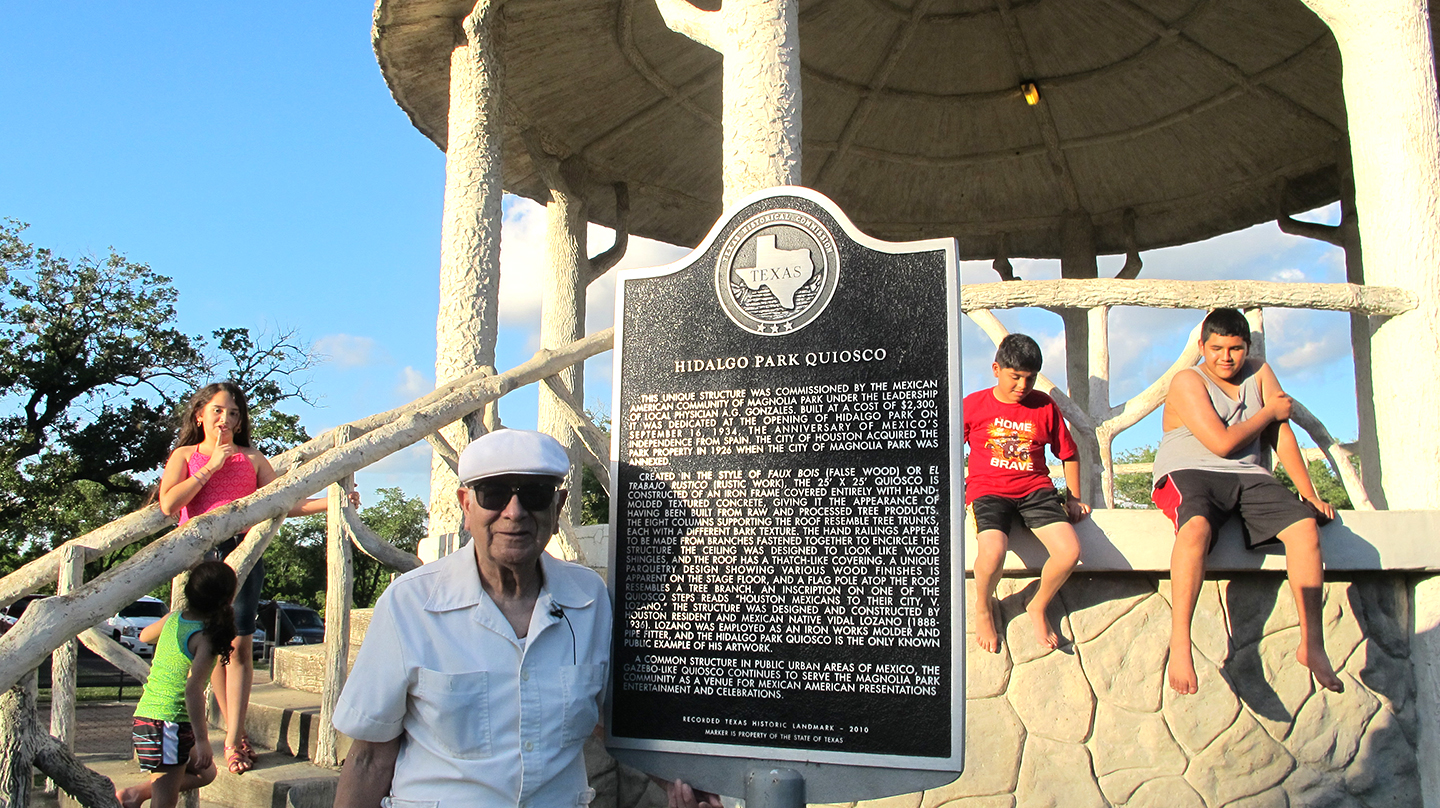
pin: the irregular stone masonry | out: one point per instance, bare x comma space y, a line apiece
1094, 724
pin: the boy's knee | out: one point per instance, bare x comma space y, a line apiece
1303, 535
1194, 533
992, 542
1067, 551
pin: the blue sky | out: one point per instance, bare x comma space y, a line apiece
253, 154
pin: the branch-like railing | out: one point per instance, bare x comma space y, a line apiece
1097, 427
332, 458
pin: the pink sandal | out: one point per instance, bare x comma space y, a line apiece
236, 761
246, 749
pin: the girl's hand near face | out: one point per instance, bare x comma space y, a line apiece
224, 448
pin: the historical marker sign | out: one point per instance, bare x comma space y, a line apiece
786, 508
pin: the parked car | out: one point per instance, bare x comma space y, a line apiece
297, 624
12, 613
126, 626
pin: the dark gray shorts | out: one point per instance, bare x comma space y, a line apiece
1037, 509
1266, 507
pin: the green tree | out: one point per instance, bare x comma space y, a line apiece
398, 519
295, 561
1327, 485
88, 352
594, 502
271, 369
1133, 490
92, 371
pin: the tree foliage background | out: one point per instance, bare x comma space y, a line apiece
1133, 490
295, 560
92, 371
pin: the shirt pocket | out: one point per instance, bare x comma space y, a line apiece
581, 686
456, 709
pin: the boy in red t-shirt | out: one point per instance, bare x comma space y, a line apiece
1007, 428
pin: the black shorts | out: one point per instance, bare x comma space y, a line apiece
162, 743
1037, 509
1265, 506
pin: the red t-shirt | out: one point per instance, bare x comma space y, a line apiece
1007, 444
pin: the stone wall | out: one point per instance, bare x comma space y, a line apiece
1093, 724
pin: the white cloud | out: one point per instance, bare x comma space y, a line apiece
522, 262
413, 384
349, 350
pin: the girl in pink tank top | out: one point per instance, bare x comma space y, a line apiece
211, 466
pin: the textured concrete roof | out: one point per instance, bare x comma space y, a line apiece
1190, 112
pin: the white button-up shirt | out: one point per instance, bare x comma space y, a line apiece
487, 719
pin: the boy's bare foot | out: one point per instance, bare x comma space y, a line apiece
1182, 670
129, 797
985, 634
1044, 634
1319, 664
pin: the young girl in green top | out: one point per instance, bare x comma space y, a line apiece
175, 750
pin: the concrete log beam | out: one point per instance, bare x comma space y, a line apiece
1202, 295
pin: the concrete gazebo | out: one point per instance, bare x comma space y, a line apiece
1035, 128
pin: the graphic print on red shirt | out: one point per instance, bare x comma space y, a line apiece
1007, 444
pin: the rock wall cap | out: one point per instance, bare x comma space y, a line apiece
513, 451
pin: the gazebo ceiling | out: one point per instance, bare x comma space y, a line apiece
1192, 113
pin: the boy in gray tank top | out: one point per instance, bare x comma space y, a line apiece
1221, 419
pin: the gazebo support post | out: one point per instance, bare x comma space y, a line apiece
1361, 327
466, 328
562, 308
569, 271
1078, 260
1098, 479
1394, 121
760, 43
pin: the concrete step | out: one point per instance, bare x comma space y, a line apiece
122, 772
277, 781
285, 721
302, 667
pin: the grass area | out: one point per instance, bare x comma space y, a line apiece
130, 693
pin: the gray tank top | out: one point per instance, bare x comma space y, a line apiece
1180, 449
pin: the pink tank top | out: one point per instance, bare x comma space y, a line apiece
234, 480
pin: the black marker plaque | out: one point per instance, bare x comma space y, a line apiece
786, 482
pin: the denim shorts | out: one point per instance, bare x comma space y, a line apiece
247, 597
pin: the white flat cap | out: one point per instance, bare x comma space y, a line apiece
513, 451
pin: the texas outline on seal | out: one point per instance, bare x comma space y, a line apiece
777, 272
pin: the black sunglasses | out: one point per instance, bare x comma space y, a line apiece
495, 496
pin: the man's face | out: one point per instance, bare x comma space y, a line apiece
1224, 356
1011, 385
510, 534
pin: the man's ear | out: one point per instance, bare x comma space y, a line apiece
460, 496
560, 496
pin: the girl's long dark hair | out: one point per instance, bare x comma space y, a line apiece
192, 433
210, 593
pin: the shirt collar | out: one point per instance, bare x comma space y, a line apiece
457, 583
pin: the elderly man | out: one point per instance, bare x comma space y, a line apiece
480, 676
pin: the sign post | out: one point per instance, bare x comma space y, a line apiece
786, 510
